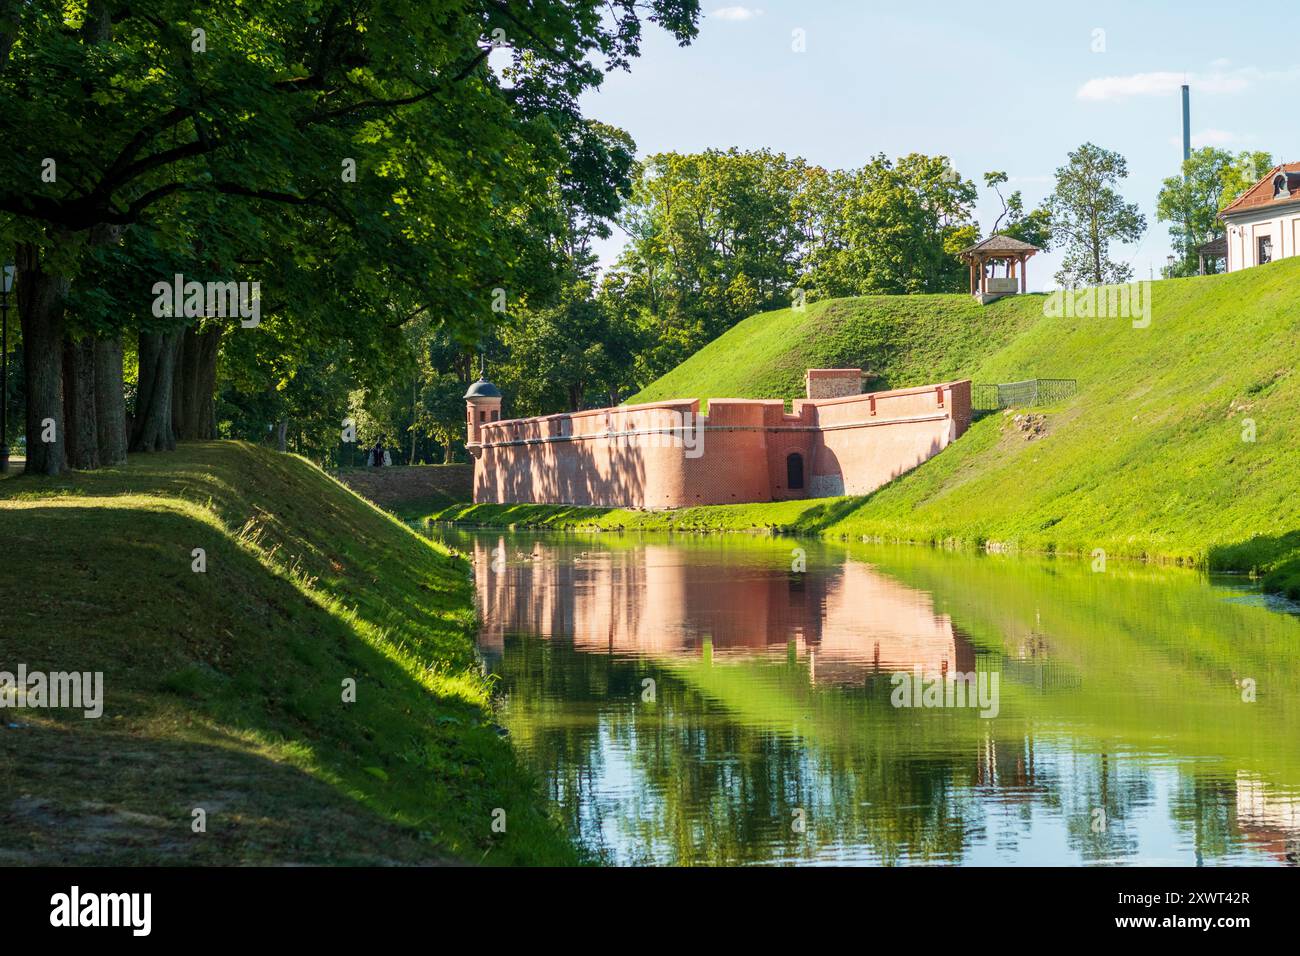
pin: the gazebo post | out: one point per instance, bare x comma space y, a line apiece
1024, 269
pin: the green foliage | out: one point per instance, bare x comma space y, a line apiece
889, 228
717, 236
1210, 180
1033, 227
713, 237
1088, 214
363, 162
1249, 168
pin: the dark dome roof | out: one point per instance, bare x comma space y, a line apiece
483, 389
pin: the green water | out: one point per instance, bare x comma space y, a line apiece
722, 700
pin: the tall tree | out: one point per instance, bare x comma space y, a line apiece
1248, 168
1088, 215
889, 228
1191, 203
713, 237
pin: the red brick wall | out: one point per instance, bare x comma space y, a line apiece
635, 456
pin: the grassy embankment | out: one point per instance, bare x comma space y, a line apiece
223, 690
1149, 460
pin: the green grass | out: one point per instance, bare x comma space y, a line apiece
1147, 461
223, 690
896, 340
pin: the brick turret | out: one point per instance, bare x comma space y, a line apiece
482, 405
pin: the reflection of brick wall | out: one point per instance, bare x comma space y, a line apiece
388, 486
747, 449
649, 598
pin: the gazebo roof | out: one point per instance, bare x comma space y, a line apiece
1215, 247
998, 245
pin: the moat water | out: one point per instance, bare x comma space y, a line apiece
730, 699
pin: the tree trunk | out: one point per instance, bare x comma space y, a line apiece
110, 404
153, 414
79, 403
177, 390
194, 388
281, 433
415, 417
206, 390
41, 299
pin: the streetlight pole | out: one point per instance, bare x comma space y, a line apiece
6, 285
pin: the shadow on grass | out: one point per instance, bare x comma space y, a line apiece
1275, 558
223, 690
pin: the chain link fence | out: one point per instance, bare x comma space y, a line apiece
1034, 391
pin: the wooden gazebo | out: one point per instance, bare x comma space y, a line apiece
998, 248
1212, 252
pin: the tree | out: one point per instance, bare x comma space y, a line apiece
717, 236
377, 124
889, 228
1088, 214
567, 357
1033, 227
1192, 201
1248, 168
713, 238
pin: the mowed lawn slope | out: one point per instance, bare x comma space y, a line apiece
1149, 460
897, 340
224, 689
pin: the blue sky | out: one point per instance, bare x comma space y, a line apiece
994, 86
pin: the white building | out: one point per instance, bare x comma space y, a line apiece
1263, 223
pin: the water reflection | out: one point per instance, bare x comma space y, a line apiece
660, 599
698, 701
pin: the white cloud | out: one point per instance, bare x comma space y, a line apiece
1208, 137
1217, 81
736, 13
1213, 137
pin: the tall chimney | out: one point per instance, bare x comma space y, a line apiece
1187, 123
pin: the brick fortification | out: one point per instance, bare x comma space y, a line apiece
666, 455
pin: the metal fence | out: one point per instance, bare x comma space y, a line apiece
1034, 391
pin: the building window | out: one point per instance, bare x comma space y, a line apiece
794, 471
1265, 249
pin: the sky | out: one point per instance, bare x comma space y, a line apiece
1005, 86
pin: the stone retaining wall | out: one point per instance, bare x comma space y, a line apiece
399, 483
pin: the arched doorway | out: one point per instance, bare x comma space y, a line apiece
794, 471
